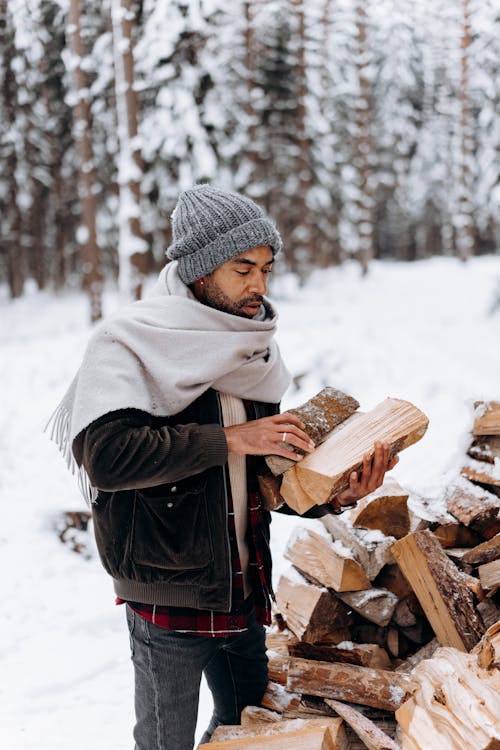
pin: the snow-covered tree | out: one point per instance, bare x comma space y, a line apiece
132, 245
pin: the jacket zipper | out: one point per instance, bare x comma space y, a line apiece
226, 505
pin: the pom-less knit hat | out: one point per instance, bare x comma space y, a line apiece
211, 226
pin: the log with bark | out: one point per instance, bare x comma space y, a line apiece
319, 415
371, 735
483, 553
482, 472
485, 448
440, 589
370, 687
311, 612
326, 471
473, 506
347, 652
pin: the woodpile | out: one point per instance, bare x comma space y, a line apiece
388, 621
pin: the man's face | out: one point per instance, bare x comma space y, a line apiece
237, 287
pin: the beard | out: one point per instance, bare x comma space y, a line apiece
213, 296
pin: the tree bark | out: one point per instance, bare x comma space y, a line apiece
363, 145
11, 213
465, 240
133, 248
86, 235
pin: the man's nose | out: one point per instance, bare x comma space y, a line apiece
259, 284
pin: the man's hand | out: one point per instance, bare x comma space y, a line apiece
372, 476
262, 437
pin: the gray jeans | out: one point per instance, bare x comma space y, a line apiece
168, 668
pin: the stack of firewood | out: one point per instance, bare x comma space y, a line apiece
383, 607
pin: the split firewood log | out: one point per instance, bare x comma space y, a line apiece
456, 704
489, 612
485, 448
319, 415
270, 490
326, 471
487, 418
488, 648
386, 509
278, 698
489, 576
332, 726
456, 535
311, 612
373, 737
472, 505
481, 472
483, 553
328, 563
440, 589
256, 715
370, 548
375, 604
302, 739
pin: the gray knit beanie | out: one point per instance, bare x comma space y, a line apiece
211, 226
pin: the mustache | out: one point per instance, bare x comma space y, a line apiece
258, 298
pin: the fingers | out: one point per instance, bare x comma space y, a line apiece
279, 435
370, 477
289, 433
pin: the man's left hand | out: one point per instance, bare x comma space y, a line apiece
371, 476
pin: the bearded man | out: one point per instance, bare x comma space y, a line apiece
168, 418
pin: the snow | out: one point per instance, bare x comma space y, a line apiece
424, 332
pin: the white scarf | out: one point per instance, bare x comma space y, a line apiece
161, 353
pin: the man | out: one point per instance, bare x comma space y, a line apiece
176, 400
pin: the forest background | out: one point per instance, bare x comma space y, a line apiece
366, 128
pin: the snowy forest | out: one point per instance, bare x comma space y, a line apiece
366, 128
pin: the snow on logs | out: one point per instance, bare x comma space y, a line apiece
385, 618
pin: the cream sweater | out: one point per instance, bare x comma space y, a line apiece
233, 412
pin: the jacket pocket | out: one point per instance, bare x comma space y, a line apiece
170, 528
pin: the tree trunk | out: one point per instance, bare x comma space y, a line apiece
10, 210
303, 233
133, 248
86, 235
363, 145
464, 232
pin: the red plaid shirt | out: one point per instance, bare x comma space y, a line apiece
220, 624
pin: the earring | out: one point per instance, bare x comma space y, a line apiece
202, 281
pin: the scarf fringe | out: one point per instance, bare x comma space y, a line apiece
59, 424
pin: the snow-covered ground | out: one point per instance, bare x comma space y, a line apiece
427, 332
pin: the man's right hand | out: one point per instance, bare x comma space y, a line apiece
270, 435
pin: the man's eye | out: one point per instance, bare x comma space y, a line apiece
267, 270
243, 273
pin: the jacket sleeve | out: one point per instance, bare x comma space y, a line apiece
123, 451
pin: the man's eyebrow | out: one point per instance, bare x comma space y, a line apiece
248, 262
